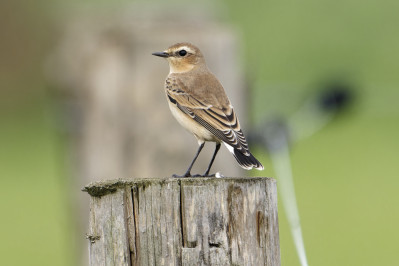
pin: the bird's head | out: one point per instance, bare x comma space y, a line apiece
182, 57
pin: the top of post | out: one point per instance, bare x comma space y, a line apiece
101, 188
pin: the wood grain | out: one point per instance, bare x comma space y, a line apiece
187, 221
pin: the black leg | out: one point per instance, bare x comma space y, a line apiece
213, 158
188, 174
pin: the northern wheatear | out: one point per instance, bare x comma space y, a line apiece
199, 103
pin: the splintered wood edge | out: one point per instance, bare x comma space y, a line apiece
101, 188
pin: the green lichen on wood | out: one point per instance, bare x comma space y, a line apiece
92, 238
101, 188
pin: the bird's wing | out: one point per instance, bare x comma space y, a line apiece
220, 121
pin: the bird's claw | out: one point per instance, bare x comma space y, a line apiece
189, 175
181, 176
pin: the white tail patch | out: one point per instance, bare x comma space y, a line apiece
246, 161
230, 148
260, 168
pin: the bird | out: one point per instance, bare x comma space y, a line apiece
199, 103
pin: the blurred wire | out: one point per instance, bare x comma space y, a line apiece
277, 135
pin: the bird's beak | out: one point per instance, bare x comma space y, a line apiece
161, 54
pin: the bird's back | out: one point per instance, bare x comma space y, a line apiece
203, 85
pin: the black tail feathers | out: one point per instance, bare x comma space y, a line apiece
247, 161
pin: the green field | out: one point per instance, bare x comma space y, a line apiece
35, 222
346, 175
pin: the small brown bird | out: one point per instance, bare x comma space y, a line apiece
199, 103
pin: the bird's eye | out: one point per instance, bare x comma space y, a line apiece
182, 52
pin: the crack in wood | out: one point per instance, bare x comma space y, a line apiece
181, 208
135, 201
215, 245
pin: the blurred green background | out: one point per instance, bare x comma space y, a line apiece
346, 175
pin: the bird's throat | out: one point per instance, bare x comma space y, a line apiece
180, 68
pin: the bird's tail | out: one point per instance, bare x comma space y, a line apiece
245, 161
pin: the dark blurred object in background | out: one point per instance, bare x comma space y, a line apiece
336, 96
318, 109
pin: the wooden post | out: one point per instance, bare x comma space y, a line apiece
184, 221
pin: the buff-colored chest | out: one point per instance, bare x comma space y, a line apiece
201, 133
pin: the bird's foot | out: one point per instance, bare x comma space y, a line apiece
217, 175
204, 175
182, 176
188, 175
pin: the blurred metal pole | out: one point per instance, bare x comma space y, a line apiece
277, 135
282, 166
274, 137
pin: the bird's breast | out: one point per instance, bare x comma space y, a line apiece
200, 132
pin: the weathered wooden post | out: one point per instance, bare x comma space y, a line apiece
186, 221
110, 90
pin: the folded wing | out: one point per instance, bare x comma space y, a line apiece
222, 122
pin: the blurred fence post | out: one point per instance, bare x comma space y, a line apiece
188, 221
110, 89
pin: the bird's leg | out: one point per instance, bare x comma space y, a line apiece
213, 158
188, 174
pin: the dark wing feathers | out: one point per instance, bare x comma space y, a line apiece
220, 121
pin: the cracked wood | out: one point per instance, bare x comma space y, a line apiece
187, 221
